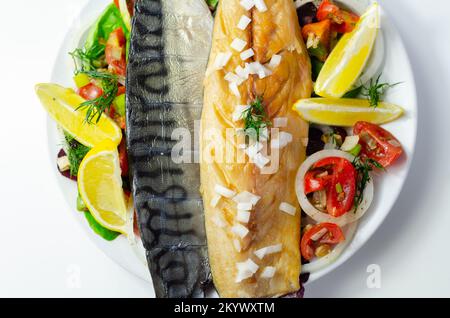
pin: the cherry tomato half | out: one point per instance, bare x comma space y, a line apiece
343, 21
377, 143
334, 235
90, 91
316, 180
115, 52
340, 184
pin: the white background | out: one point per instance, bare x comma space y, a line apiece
41, 245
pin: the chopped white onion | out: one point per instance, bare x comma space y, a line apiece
218, 221
215, 200
238, 44
63, 163
268, 272
237, 245
260, 5
233, 78
319, 235
260, 161
225, 192
275, 61
318, 215
350, 143
288, 208
237, 114
244, 22
241, 72
222, 60
240, 230
254, 149
242, 146
245, 206
247, 54
279, 122
246, 196
282, 141
262, 252
243, 216
247, 4
235, 89
264, 134
246, 270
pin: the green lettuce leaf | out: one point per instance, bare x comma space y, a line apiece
99, 229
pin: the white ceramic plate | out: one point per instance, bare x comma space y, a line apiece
396, 68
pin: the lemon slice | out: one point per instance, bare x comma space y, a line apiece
100, 187
345, 112
61, 104
348, 59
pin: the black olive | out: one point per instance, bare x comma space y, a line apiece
307, 13
315, 142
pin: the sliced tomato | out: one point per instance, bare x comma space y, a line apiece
377, 143
334, 235
115, 52
343, 21
316, 180
90, 91
121, 90
341, 187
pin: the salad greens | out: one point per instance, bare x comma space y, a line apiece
99, 229
375, 91
75, 152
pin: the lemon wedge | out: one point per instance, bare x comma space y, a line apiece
61, 104
345, 112
348, 59
100, 187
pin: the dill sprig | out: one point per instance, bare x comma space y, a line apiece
375, 91
363, 168
75, 153
96, 107
255, 118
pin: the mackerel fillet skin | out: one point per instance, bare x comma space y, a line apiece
169, 51
275, 31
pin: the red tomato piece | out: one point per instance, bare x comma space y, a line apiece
115, 52
316, 180
90, 91
341, 187
334, 235
327, 10
377, 143
343, 21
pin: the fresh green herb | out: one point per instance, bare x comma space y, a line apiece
86, 60
375, 91
212, 3
354, 92
100, 229
356, 150
363, 168
316, 67
76, 153
255, 118
97, 106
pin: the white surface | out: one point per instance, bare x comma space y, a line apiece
411, 247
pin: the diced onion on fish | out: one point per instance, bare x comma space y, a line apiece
275, 61
288, 208
262, 252
318, 215
244, 22
264, 134
240, 230
247, 4
254, 149
233, 78
246, 196
241, 72
268, 272
222, 60
223, 191
237, 114
238, 44
245, 206
235, 89
237, 245
215, 200
218, 221
243, 216
246, 270
350, 143
320, 263
260, 161
260, 5
282, 141
247, 54
280, 122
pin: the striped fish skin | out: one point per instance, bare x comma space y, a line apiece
168, 56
